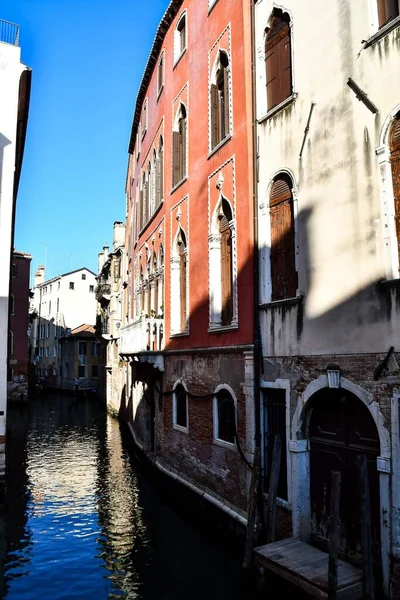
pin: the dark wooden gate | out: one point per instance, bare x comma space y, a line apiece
341, 428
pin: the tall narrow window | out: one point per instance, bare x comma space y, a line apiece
179, 147
180, 407
387, 10
182, 278
226, 264
220, 102
283, 262
12, 305
395, 164
13, 270
11, 342
182, 34
275, 424
160, 74
278, 60
224, 415
160, 174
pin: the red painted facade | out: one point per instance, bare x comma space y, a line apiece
19, 308
189, 240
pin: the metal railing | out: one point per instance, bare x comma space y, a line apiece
145, 335
9, 33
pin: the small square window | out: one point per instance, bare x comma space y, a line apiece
91, 288
14, 270
83, 275
81, 371
71, 285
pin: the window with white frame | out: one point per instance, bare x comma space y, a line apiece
222, 241
180, 409
160, 173
180, 38
220, 99
179, 284
160, 73
394, 141
144, 118
224, 417
179, 141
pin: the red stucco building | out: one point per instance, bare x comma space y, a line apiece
188, 324
18, 344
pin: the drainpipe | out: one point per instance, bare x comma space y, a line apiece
257, 348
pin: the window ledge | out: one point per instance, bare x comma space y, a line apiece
180, 334
283, 302
180, 428
160, 92
178, 60
223, 328
177, 185
382, 32
279, 501
277, 108
219, 145
225, 444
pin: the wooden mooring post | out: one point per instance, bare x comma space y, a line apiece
252, 509
334, 537
273, 489
366, 540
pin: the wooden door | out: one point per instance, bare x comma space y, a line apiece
341, 428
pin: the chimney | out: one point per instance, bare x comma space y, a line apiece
39, 276
119, 235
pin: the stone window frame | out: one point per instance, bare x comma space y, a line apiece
175, 425
216, 440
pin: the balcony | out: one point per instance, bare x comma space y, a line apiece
103, 292
9, 33
145, 335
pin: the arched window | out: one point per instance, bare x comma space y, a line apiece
161, 256
141, 291
179, 146
225, 219
283, 260
395, 164
180, 407
160, 174
387, 10
180, 38
224, 417
278, 59
12, 305
179, 274
153, 183
220, 101
142, 202
11, 343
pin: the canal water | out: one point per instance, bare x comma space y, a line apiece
82, 521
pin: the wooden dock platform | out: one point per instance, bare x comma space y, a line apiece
307, 568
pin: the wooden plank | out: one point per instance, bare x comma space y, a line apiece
334, 535
273, 488
366, 540
252, 509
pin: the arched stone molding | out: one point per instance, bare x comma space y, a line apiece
390, 247
175, 300
214, 246
299, 447
217, 65
264, 232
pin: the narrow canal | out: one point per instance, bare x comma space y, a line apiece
81, 521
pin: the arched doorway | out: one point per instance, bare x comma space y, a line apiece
341, 428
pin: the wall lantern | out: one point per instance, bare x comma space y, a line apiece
333, 373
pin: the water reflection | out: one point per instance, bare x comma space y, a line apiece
82, 522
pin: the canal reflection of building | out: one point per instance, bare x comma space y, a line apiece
15, 535
124, 535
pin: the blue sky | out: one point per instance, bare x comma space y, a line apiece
87, 59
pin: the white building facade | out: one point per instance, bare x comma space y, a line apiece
328, 165
15, 80
60, 305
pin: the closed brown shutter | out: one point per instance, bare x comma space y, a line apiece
161, 166
141, 216
175, 165
182, 149
226, 273
395, 163
278, 62
283, 266
182, 277
214, 116
381, 12
158, 188
226, 103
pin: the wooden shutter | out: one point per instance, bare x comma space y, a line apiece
278, 62
182, 149
141, 216
158, 188
226, 103
283, 266
214, 116
395, 163
161, 172
175, 165
226, 273
182, 279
